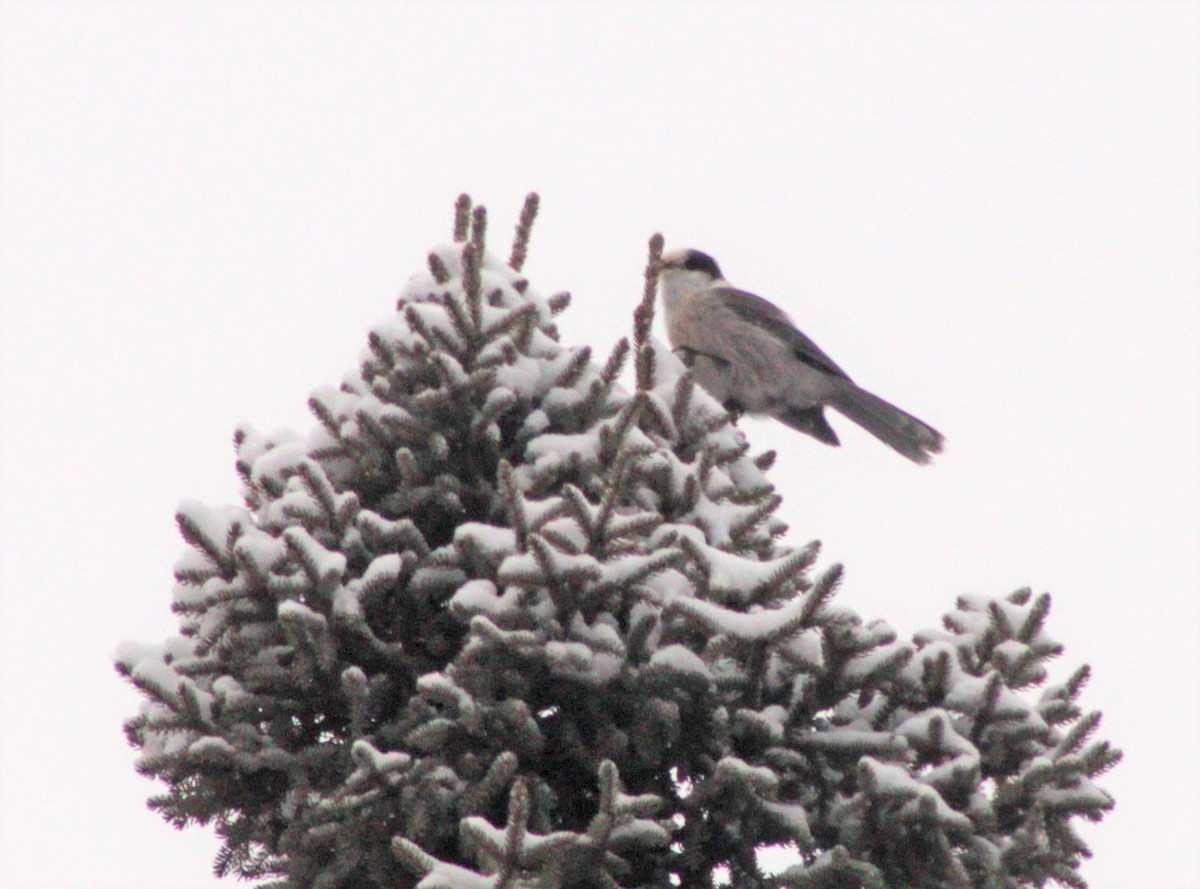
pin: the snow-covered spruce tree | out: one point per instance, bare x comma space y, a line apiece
499, 622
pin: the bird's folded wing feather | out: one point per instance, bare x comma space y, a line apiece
768, 317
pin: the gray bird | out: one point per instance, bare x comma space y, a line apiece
747, 354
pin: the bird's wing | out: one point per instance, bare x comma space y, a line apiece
769, 317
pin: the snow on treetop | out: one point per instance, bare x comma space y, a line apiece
921, 730
680, 659
495, 275
969, 694
480, 596
451, 876
324, 564
368, 757
897, 784
670, 584
297, 611
490, 539
669, 370
555, 449
1079, 794
276, 459
526, 568
383, 569
600, 634
550, 450
261, 550
756, 624
581, 662
731, 577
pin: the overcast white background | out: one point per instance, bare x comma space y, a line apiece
988, 213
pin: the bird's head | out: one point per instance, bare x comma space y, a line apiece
685, 271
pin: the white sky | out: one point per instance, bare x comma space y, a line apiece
988, 213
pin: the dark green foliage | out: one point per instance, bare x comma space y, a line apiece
497, 621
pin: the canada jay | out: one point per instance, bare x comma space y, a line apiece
748, 355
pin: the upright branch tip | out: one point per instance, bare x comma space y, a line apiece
643, 315
472, 260
462, 217
524, 227
479, 229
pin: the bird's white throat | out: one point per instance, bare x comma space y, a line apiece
676, 284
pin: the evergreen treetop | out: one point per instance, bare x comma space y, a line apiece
499, 621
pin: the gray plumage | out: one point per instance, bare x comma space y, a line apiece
747, 354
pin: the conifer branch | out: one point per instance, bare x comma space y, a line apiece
432, 735
479, 231
558, 302
615, 362
472, 257
466, 323
462, 217
413, 856
500, 402
685, 388
354, 688
646, 365
993, 688
1078, 735
824, 590
220, 553
579, 508
514, 502
1036, 618
692, 487
520, 245
643, 317
789, 576
318, 485
935, 675
514, 835
438, 269
638, 642
581, 360
418, 325
656, 418
519, 318
1021, 596
706, 425
498, 778
1078, 680
324, 414
614, 436
765, 460
753, 518
614, 490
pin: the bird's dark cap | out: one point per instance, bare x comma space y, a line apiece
692, 261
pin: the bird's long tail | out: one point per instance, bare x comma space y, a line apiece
902, 432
